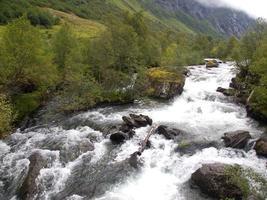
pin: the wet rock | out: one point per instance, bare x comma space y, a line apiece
226, 92
213, 180
121, 133
93, 179
212, 63
119, 137
237, 139
69, 151
129, 121
261, 147
186, 72
29, 188
137, 121
125, 128
168, 133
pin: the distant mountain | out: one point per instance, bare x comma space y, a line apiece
201, 18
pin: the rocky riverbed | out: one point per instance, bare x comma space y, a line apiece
202, 146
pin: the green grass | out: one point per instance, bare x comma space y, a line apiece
83, 28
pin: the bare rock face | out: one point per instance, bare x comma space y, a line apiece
213, 180
29, 188
237, 139
261, 147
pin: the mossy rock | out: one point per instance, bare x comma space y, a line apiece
165, 82
223, 181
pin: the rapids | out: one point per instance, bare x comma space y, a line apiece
74, 172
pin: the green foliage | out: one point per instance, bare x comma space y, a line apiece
252, 184
250, 55
26, 70
10, 10
26, 104
6, 116
237, 177
107, 66
63, 45
24, 64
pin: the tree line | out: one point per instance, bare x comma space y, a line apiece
80, 73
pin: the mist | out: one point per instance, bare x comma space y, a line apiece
213, 3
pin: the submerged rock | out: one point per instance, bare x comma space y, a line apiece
213, 180
237, 139
93, 179
261, 147
192, 147
29, 188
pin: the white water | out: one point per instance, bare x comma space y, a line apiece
200, 111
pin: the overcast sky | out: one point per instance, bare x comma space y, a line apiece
256, 8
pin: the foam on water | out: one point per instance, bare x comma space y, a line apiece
199, 111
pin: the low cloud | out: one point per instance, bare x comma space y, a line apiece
213, 3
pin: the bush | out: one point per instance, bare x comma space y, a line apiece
6, 116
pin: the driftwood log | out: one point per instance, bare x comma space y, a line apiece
146, 140
143, 145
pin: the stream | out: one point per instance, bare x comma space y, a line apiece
81, 163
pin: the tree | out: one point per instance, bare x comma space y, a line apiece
64, 43
25, 64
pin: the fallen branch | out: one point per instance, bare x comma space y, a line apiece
146, 140
133, 158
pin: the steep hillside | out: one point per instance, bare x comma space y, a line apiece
178, 15
225, 21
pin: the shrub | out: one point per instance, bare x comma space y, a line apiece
6, 116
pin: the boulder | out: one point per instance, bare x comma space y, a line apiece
121, 133
136, 121
165, 82
213, 181
129, 121
119, 137
212, 63
237, 139
168, 133
261, 147
29, 188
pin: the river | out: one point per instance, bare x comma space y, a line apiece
74, 171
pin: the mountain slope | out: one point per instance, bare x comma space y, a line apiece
225, 21
187, 16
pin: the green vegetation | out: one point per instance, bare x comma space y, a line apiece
250, 56
252, 184
81, 56
6, 116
